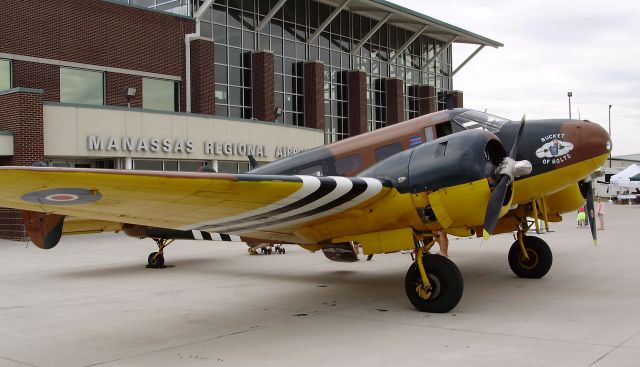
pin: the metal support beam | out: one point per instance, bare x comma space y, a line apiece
408, 43
371, 33
468, 59
440, 52
270, 15
202, 9
327, 21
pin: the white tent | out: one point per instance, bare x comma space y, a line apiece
622, 178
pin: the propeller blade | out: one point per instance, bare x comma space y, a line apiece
514, 148
498, 195
591, 212
493, 207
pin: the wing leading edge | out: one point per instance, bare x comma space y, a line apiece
236, 204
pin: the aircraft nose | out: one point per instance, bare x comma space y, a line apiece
590, 139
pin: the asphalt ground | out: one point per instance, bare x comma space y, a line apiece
91, 302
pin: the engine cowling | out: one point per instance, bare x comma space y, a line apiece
455, 172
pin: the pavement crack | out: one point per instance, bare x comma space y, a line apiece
18, 362
616, 347
250, 329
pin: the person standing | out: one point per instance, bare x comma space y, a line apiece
600, 211
443, 242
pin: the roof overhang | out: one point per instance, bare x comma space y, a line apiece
413, 21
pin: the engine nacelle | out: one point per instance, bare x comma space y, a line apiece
456, 172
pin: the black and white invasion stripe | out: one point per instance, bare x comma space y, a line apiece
207, 236
318, 197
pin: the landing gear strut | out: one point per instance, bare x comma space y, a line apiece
156, 259
433, 283
530, 257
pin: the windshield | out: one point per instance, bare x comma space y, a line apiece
480, 120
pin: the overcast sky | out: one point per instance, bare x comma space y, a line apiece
588, 47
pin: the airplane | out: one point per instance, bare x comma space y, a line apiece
462, 171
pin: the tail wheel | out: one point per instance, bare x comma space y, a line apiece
155, 260
446, 285
539, 262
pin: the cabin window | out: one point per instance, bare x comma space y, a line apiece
312, 171
387, 151
428, 133
443, 129
350, 165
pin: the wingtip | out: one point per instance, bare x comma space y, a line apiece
595, 243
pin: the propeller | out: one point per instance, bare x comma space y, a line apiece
587, 189
507, 170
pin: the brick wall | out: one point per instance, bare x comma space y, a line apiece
395, 101
91, 32
21, 113
314, 94
11, 226
38, 76
263, 85
357, 85
202, 77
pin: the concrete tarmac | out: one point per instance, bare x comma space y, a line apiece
91, 302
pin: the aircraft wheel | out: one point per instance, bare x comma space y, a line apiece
540, 258
446, 285
283, 250
154, 261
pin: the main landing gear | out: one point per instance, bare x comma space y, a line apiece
433, 282
530, 257
156, 259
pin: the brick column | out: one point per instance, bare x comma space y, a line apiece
263, 85
454, 99
357, 99
395, 100
202, 77
428, 99
21, 113
313, 80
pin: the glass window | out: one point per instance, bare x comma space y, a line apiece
387, 151
349, 165
147, 165
158, 94
228, 167
190, 166
81, 86
5, 74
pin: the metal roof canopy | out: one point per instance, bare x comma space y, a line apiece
413, 21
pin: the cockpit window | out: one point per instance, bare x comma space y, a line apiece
480, 120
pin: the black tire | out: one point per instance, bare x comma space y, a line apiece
540, 258
154, 261
446, 282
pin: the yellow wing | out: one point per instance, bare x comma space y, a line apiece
236, 204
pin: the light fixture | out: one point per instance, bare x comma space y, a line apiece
129, 93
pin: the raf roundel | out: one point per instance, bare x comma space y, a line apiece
62, 196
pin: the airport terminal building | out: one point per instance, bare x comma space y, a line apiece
176, 84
